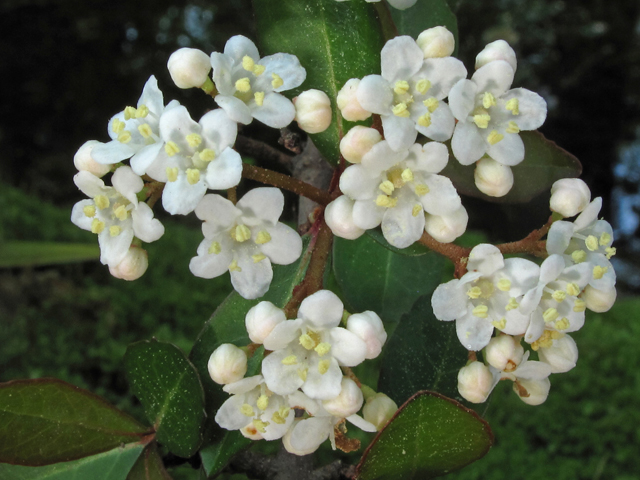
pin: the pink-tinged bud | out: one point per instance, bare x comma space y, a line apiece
262, 319
348, 103
475, 382
436, 42
493, 178
498, 50
599, 301
85, 162
227, 364
504, 353
561, 356
368, 326
348, 401
189, 67
251, 432
132, 266
339, 218
445, 229
379, 409
357, 142
313, 111
569, 197
532, 392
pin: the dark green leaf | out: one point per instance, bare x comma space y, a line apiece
27, 254
543, 164
168, 386
333, 41
429, 436
47, 421
149, 466
375, 278
423, 353
414, 250
425, 14
111, 465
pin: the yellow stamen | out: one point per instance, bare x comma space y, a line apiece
145, 130
605, 239
494, 137
171, 148
323, 366
193, 176
290, 360
598, 272
421, 189
323, 348
384, 201
592, 243
400, 110
579, 256
233, 266
482, 120
243, 85
307, 342
422, 86
260, 425
501, 324
387, 187
114, 230
263, 237
277, 81
259, 98
302, 373
559, 295
573, 289
512, 305
194, 140
280, 416
263, 402
142, 111
579, 305
124, 137
97, 226
562, 324
504, 285
258, 257
129, 113
431, 103
481, 311
89, 211
241, 233
215, 248
474, 292
117, 125
258, 69
425, 120
101, 202
172, 174
207, 155
488, 100
550, 314
513, 106
121, 212
513, 127
247, 410
401, 87
248, 63
407, 175
415, 211
610, 251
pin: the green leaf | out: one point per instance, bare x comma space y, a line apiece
375, 278
425, 14
149, 466
47, 421
543, 164
429, 436
414, 250
423, 353
169, 388
333, 41
111, 465
28, 254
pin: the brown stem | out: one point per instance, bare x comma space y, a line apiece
154, 193
449, 250
286, 182
258, 149
232, 195
389, 29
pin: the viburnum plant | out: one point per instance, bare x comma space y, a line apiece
339, 334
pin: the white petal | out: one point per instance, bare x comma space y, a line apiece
285, 245
243, 385
532, 107
89, 184
467, 144
449, 301
551, 268
322, 309
381, 158
78, 217
462, 99
443, 198
229, 416
359, 183
400, 132
474, 333
443, 73
361, 423
237, 110
145, 227
112, 152
180, 197
532, 370
219, 129
127, 183
217, 210
588, 215
239, 46
224, 171
152, 96
400, 59
431, 157
375, 95
486, 259
400, 227
442, 124
339, 218
308, 434
508, 151
323, 386
222, 69
114, 249
531, 300
276, 111
287, 67
176, 124
522, 273
536, 327
349, 349
264, 204
366, 214
559, 237
253, 279
495, 77
281, 379
145, 157
210, 265
283, 334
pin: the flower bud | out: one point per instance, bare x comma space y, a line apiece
561, 356
379, 409
493, 178
445, 229
475, 382
357, 142
436, 42
251, 432
348, 401
532, 392
569, 196
348, 103
339, 218
132, 266
84, 161
599, 301
504, 353
227, 364
298, 441
262, 319
498, 50
189, 67
313, 111
368, 326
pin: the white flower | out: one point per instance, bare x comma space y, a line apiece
357, 142
560, 353
436, 42
132, 266
348, 401
262, 319
347, 102
599, 301
569, 196
245, 239
532, 392
476, 381
308, 351
504, 353
368, 327
446, 228
490, 115
227, 364
498, 50
84, 161
134, 131
487, 296
408, 95
493, 178
339, 217
313, 111
396, 188
189, 67
196, 157
114, 213
252, 405
249, 86
378, 410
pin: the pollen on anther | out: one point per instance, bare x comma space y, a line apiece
194, 140
262, 237
142, 111
243, 85
431, 103
124, 137
401, 87
233, 266
415, 211
89, 211
425, 120
481, 311
579, 256
592, 243
504, 285
114, 230
277, 81
145, 130
494, 137
513, 127
259, 98
400, 110
102, 202
513, 106
193, 176
482, 120
207, 155
323, 366
387, 187
172, 174
488, 100
423, 86
258, 257
290, 360
422, 189
215, 248
248, 63
171, 148
97, 226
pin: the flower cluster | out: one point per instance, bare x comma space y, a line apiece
302, 373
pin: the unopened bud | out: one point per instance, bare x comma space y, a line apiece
493, 178
348, 103
504, 353
227, 364
475, 382
189, 67
262, 319
379, 409
251, 432
132, 266
445, 229
569, 196
298, 441
85, 162
348, 401
436, 42
313, 111
532, 392
498, 50
357, 142
561, 356
599, 301
368, 326
339, 218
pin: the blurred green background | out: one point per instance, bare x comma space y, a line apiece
67, 66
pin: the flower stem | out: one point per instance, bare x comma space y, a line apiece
258, 149
286, 182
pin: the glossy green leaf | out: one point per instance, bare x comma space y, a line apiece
47, 420
423, 353
375, 278
544, 163
425, 14
28, 254
431, 435
334, 41
169, 389
111, 465
414, 250
149, 466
